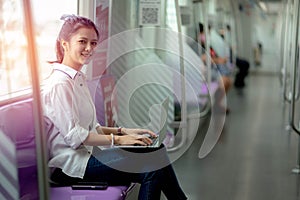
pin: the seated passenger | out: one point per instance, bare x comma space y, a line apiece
222, 64
74, 134
225, 72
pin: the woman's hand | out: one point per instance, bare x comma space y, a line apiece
135, 136
135, 131
220, 60
132, 139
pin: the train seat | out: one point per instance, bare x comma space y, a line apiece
16, 121
206, 93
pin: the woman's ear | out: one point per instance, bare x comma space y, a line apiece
64, 45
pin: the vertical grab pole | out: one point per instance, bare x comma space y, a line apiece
37, 108
285, 44
208, 58
207, 45
286, 61
295, 71
294, 82
182, 79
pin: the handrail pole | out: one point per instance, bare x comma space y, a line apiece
294, 82
295, 64
182, 73
41, 149
287, 58
289, 28
284, 60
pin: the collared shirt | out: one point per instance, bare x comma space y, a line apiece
70, 116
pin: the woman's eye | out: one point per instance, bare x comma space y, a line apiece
94, 44
82, 41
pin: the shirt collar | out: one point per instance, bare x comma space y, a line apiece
66, 69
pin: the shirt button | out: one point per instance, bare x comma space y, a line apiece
89, 152
80, 84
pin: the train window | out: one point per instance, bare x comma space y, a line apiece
14, 70
13, 58
171, 20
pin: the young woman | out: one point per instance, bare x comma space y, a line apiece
74, 134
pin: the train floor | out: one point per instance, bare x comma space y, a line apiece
255, 154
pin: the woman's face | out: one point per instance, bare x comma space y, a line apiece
80, 48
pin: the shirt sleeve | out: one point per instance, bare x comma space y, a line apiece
62, 110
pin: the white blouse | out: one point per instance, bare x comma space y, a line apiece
70, 116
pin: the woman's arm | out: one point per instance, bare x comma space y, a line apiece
108, 130
94, 139
215, 59
123, 131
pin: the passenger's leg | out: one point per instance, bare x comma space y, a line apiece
243, 66
148, 172
171, 187
227, 83
221, 94
150, 181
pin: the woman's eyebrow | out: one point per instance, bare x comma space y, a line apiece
80, 38
85, 38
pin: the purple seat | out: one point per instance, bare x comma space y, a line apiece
16, 121
205, 94
111, 193
9, 172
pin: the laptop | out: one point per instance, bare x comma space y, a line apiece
161, 135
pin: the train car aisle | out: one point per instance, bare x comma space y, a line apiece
254, 156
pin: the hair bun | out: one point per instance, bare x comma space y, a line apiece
67, 17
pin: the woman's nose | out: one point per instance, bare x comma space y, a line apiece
88, 47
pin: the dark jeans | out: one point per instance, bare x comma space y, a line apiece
243, 68
147, 166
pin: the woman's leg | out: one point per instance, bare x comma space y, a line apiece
150, 181
150, 167
221, 95
227, 83
171, 187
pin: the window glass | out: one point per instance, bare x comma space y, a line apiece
13, 45
47, 18
14, 69
171, 20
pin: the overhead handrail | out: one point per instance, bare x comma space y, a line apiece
41, 150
